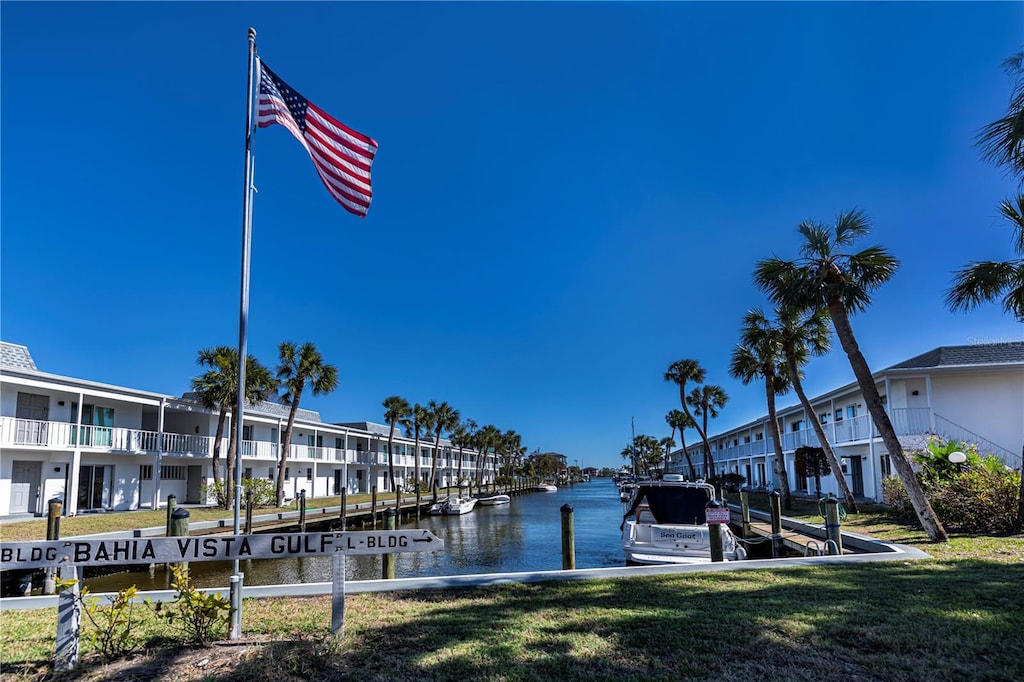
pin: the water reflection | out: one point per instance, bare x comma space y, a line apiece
524, 535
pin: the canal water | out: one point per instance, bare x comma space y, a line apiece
524, 535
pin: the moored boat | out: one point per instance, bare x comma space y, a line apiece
666, 523
546, 488
494, 500
459, 504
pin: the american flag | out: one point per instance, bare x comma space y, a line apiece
342, 156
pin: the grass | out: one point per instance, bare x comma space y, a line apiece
959, 615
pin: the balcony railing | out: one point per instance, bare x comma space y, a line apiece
911, 421
32, 433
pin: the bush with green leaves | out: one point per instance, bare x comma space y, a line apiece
977, 496
263, 492
110, 633
199, 616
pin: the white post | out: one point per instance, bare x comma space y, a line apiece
159, 455
68, 621
338, 595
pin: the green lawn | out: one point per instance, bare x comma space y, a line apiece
957, 616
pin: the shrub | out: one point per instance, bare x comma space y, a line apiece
199, 616
264, 494
979, 496
110, 634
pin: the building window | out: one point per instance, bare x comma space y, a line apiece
309, 474
797, 425
746, 439
823, 417
270, 473
146, 472
885, 465
851, 411
839, 416
287, 473
759, 435
172, 472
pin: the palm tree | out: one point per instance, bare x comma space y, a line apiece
826, 276
678, 419
217, 389
667, 443
995, 281
706, 401
486, 438
444, 418
759, 356
300, 365
415, 425
1002, 141
680, 373
462, 437
396, 410
806, 333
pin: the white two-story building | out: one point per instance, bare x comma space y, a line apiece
973, 394
99, 447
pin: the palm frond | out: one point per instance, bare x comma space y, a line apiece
989, 281
1014, 214
851, 226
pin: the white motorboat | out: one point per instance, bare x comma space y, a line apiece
546, 488
494, 500
458, 504
666, 524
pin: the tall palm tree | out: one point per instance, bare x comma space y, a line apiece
680, 373
511, 449
415, 426
462, 438
444, 418
487, 438
827, 276
667, 443
299, 366
803, 334
217, 389
995, 281
1002, 142
678, 419
706, 401
396, 410
759, 356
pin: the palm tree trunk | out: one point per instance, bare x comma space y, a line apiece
229, 484
286, 446
416, 463
830, 455
925, 514
686, 453
391, 463
709, 460
780, 459
433, 463
221, 418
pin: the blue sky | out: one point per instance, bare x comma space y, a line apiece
567, 197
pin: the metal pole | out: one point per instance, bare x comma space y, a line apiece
235, 628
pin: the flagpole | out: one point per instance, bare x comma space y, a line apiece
235, 593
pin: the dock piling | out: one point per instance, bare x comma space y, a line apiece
568, 539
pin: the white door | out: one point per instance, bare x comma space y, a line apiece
24, 482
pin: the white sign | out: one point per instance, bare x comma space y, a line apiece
717, 515
16, 555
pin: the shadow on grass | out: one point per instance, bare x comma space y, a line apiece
860, 622
893, 621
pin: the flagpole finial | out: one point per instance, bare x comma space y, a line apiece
252, 33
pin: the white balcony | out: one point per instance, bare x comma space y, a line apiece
48, 435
